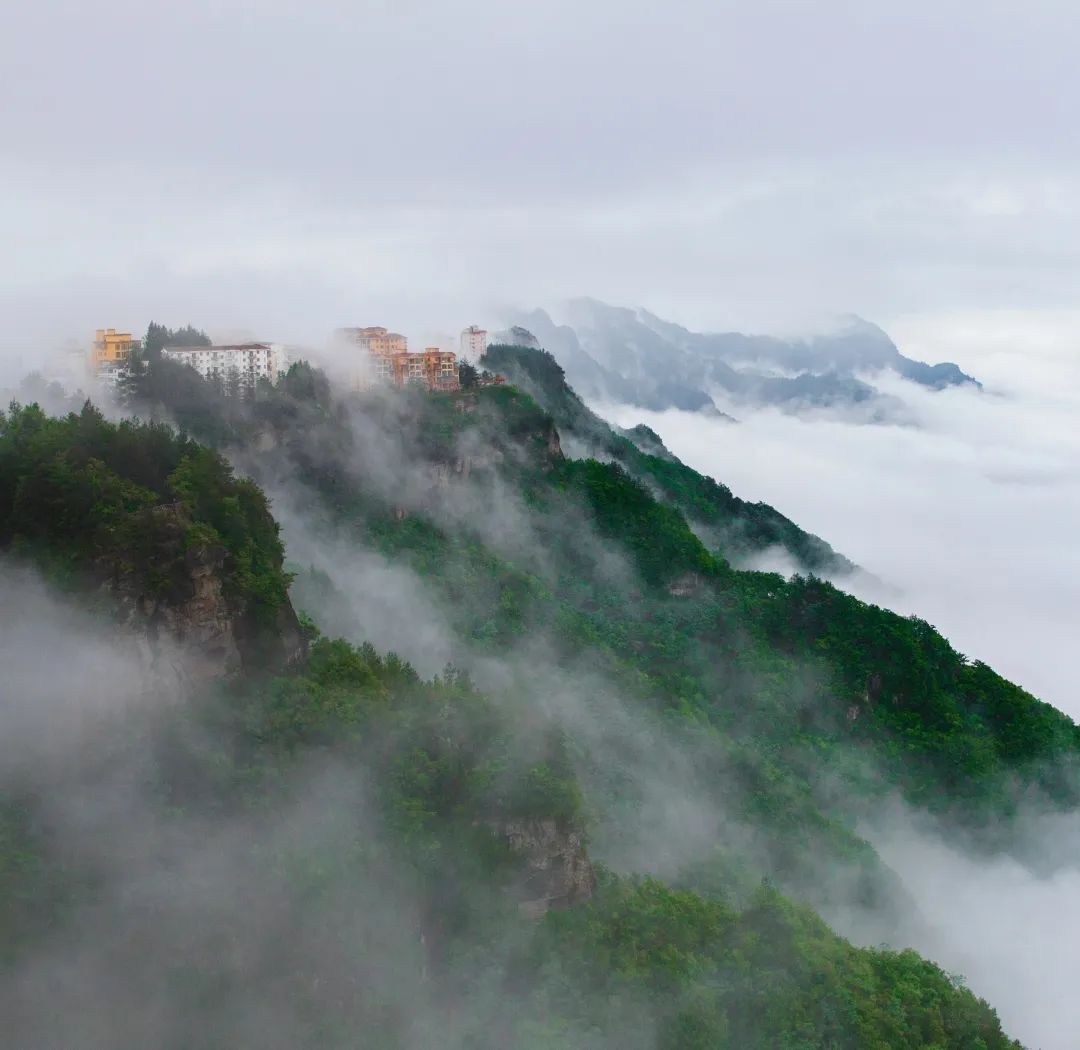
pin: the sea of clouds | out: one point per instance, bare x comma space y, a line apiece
969, 519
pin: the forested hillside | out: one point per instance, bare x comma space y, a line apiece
732, 526
606, 823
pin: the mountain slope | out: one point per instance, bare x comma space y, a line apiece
610, 822
475, 493
633, 356
346, 850
158, 522
736, 528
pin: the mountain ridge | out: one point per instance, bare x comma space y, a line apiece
622, 667
634, 356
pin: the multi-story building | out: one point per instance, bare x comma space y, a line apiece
111, 350
473, 344
434, 369
376, 340
388, 361
248, 362
440, 369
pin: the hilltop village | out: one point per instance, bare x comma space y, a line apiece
374, 356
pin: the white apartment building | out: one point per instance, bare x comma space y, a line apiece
473, 344
250, 361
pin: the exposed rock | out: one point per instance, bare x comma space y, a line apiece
185, 629
517, 335
553, 446
556, 871
637, 358
688, 585
461, 466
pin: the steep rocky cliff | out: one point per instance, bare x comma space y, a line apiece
175, 606
555, 867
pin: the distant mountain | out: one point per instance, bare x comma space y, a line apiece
738, 530
635, 357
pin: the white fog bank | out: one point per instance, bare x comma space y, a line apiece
972, 515
1010, 932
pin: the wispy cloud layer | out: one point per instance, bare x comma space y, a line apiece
971, 514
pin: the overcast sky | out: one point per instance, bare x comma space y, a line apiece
281, 167
971, 515
285, 166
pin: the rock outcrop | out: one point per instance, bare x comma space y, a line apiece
688, 585
187, 630
555, 868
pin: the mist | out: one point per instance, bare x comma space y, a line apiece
187, 921
1011, 931
276, 171
164, 917
967, 518
650, 790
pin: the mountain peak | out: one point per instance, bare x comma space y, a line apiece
634, 356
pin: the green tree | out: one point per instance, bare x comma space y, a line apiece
158, 337
468, 376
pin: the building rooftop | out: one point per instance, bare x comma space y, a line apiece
225, 346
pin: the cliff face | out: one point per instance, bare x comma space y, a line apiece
187, 642
482, 441
556, 870
186, 629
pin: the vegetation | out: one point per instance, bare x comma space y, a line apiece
732, 526
88, 499
791, 707
640, 965
158, 337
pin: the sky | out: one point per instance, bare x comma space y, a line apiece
283, 167
968, 517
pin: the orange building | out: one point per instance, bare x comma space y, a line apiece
440, 369
111, 349
390, 361
435, 369
377, 340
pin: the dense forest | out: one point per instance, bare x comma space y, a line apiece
466, 835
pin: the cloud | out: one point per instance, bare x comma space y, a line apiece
969, 519
48, 706
302, 166
970, 514
1010, 930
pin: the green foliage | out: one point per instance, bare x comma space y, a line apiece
730, 525
799, 673
158, 337
769, 976
777, 695
131, 500
641, 963
468, 376
657, 536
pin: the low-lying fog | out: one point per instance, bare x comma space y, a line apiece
972, 516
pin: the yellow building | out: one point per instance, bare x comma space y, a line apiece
440, 369
377, 340
389, 362
111, 348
